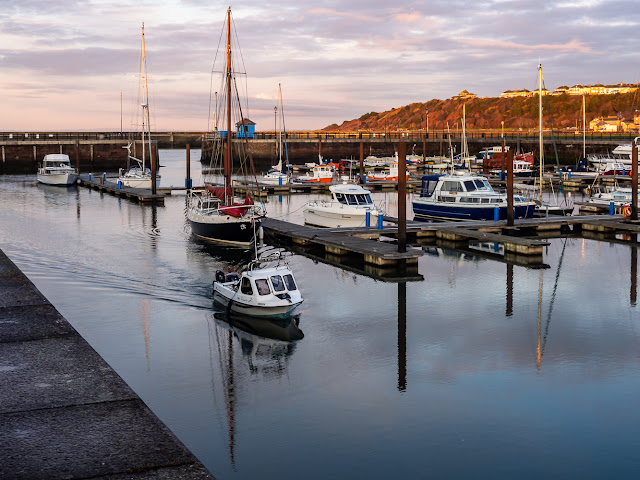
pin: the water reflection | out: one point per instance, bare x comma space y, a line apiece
266, 346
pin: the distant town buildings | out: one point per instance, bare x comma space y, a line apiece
616, 124
598, 89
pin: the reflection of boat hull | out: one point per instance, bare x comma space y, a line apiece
282, 311
223, 228
445, 212
61, 179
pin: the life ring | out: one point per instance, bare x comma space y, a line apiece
626, 211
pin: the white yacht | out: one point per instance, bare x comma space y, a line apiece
348, 207
57, 170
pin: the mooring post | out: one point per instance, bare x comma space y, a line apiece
78, 157
509, 189
187, 180
634, 181
503, 160
154, 151
362, 179
402, 197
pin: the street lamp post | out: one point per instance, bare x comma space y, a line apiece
502, 135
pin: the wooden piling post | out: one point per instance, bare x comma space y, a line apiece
361, 162
634, 181
319, 147
510, 188
187, 181
77, 156
154, 149
402, 197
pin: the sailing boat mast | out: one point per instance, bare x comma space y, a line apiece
227, 155
584, 130
145, 101
540, 121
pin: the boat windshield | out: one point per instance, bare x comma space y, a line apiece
482, 184
470, 185
245, 286
263, 286
278, 284
354, 199
290, 282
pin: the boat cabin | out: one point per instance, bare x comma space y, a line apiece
351, 195
262, 283
53, 160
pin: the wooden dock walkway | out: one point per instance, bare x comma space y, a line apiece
339, 243
141, 195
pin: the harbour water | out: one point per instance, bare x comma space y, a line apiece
480, 369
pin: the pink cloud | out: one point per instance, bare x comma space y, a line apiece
571, 46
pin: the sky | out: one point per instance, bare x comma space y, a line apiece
65, 67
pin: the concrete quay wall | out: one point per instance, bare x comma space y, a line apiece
64, 412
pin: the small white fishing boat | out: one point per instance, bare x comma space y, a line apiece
57, 170
260, 291
318, 174
348, 207
391, 174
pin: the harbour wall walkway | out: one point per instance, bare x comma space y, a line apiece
21, 152
64, 412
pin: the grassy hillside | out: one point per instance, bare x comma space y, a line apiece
488, 113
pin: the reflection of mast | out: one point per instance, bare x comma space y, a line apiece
230, 397
146, 328
633, 295
402, 336
539, 346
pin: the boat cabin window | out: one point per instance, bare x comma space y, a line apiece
364, 199
470, 185
429, 184
450, 186
290, 282
351, 199
263, 286
278, 284
341, 199
245, 286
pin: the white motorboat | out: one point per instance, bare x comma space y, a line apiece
520, 169
57, 170
348, 207
268, 292
603, 195
138, 175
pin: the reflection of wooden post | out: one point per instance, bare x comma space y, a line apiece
402, 336
509, 311
361, 162
634, 181
402, 197
153, 168
634, 271
510, 188
187, 181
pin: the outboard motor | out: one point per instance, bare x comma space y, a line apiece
220, 276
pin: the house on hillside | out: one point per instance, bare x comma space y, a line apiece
562, 89
516, 93
464, 95
606, 124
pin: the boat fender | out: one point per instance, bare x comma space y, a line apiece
220, 276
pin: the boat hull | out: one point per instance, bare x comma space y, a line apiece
228, 230
332, 218
430, 211
139, 182
62, 179
259, 311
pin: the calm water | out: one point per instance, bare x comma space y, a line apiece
456, 376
